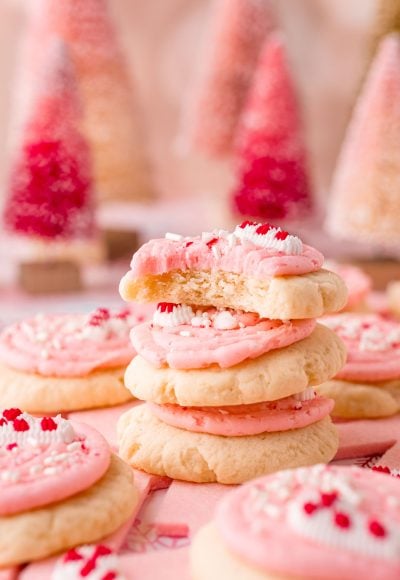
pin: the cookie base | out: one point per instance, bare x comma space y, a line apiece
83, 518
279, 297
148, 444
35, 393
210, 559
362, 400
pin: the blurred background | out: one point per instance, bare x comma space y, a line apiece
187, 115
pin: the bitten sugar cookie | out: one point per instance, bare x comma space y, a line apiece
323, 522
55, 363
368, 386
256, 268
59, 487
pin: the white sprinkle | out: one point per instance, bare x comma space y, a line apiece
32, 441
216, 252
185, 333
74, 446
271, 510
52, 470
173, 237
42, 336
11, 475
44, 353
34, 469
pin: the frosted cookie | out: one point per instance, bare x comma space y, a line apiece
256, 268
91, 562
278, 373
368, 385
59, 487
54, 363
153, 445
359, 284
323, 522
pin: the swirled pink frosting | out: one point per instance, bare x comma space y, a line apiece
69, 345
221, 251
321, 522
46, 459
240, 420
373, 346
185, 346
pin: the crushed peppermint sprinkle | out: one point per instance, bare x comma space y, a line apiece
260, 234
97, 562
370, 332
17, 428
169, 315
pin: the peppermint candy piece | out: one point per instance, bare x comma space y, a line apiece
93, 562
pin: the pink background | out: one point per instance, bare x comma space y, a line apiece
328, 45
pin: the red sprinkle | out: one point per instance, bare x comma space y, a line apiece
188, 244
166, 306
310, 508
20, 425
263, 229
381, 469
101, 550
247, 223
281, 235
3, 422
11, 446
87, 568
212, 242
377, 529
48, 424
123, 314
11, 414
327, 499
109, 576
342, 520
72, 555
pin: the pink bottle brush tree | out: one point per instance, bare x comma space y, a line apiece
365, 200
50, 196
238, 29
271, 159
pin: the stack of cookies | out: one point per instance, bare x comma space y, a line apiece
228, 364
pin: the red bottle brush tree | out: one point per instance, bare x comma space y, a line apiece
365, 199
211, 113
272, 173
50, 193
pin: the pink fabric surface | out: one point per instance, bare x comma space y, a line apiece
104, 420
368, 437
168, 565
188, 506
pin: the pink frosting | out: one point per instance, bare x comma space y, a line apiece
373, 346
224, 251
69, 345
282, 415
358, 283
44, 460
319, 522
186, 346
